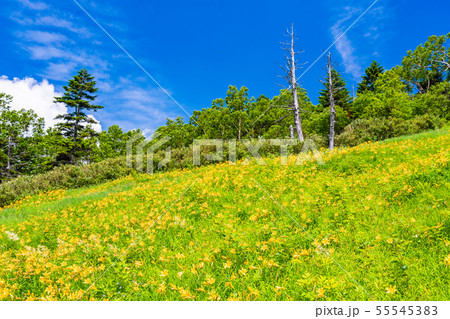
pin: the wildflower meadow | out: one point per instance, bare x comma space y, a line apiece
372, 223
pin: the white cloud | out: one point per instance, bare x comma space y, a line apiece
363, 41
345, 47
43, 37
46, 52
34, 5
50, 21
62, 63
30, 94
61, 71
140, 106
97, 127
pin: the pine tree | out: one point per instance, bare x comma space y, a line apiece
342, 97
368, 80
78, 95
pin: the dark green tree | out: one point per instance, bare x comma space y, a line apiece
78, 97
368, 80
342, 95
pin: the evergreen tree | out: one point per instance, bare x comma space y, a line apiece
368, 80
78, 95
342, 95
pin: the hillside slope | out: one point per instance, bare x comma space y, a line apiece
372, 223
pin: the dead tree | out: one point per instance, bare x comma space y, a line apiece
331, 91
289, 70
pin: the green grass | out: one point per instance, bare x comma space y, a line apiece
372, 223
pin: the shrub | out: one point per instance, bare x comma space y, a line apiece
62, 177
378, 129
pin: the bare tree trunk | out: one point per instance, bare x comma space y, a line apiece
293, 82
291, 129
75, 137
8, 165
332, 103
240, 128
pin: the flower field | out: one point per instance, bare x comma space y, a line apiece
371, 223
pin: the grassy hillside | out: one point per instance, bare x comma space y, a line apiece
372, 223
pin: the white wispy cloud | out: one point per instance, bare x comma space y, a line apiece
344, 46
363, 42
50, 21
53, 38
43, 37
143, 106
34, 5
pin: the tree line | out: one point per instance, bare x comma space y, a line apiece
419, 86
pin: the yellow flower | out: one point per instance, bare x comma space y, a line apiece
180, 274
229, 284
185, 294
390, 240
209, 281
227, 264
320, 293
325, 241
391, 290
243, 271
138, 263
164, 273
447, 260
162, 288
304, 252
214, 296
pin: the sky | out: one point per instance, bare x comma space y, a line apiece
154, 60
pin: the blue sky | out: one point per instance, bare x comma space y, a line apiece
195, 49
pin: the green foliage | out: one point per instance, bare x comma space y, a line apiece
435, 102
341, 95
20, 132
112, 143
428, 64
63, 177
78, 95
318, 122
388, 99
369, 78
378, 129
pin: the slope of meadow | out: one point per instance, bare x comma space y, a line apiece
371, 223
